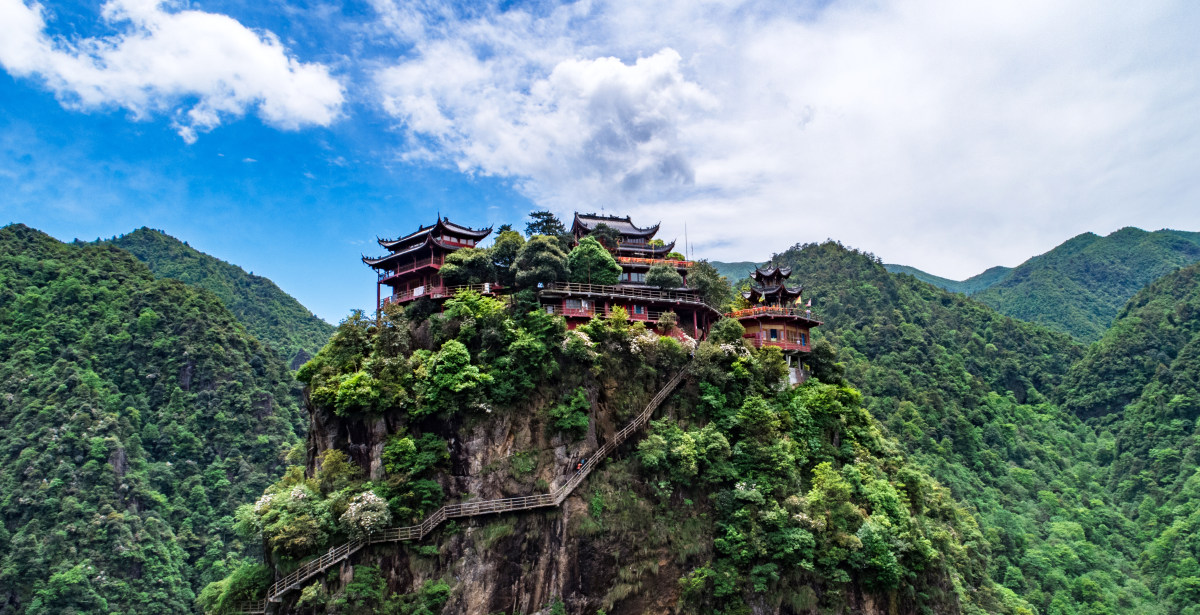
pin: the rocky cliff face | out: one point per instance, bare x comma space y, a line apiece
520, 562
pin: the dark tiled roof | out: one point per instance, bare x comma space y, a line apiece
623, 225
442, 224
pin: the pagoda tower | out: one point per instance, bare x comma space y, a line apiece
411, 269
776, 317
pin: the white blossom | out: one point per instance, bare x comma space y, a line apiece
367, 512
262, 503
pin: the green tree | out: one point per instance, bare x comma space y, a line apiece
540, 261
710, 284
664, 276
608, 236
590, 263
504, 251
468, 266
544, 222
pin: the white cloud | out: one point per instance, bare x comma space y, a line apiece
950, 136
167, 60
589, 130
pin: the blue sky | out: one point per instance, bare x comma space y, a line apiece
284, 136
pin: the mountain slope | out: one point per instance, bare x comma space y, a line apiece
1140, 385
968, 286
1079, 286
965, 390
268, 313
734, 271
742, 497
135, 413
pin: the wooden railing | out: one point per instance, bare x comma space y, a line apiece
646, 315
628, 292
311, 568
438, 292
762, 339
772, 310
634, 260
410, 267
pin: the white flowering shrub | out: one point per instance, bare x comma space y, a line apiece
644, 343
261, 505
576, 344
367, 513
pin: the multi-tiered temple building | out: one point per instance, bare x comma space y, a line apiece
636, 252
411, 269
776, 316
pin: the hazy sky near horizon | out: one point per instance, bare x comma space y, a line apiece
285, 136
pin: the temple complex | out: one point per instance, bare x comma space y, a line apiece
411, 269
636, 252
775, 316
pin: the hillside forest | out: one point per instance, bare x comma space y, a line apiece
953, 452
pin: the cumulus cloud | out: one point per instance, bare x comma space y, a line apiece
202, 67
589, 129
950, 136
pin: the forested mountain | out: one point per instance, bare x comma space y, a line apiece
734, 271
1079, 286
968, 286
268, 313
135, 414
967, 393
743, 497
1140, 386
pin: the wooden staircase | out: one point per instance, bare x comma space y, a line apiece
337, 554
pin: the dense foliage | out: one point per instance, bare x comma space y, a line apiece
1079, 287
267, 312
136, 415
969, 286
968, 392
814, 506
1140, 386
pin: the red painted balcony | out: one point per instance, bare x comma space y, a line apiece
763, 339
431, 261
438, 292
633, 260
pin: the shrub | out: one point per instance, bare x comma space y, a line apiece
590, 263
664, 276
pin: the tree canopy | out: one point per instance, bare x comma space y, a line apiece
590, 263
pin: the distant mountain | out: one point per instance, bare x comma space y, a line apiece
136, 414
270, 314
1079, 287
965, 390
968, 286
734, 271
1140, 387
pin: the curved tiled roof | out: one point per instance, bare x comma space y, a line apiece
625, 226
771, 271
383, 261
443, 225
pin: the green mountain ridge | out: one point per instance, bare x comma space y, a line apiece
1080, 285
268, 312
967, 392
136, 414
734, 271
968, 286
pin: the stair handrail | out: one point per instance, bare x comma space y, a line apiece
311, 568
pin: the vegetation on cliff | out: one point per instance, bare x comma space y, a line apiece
136, 415
968, 393
800, 496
